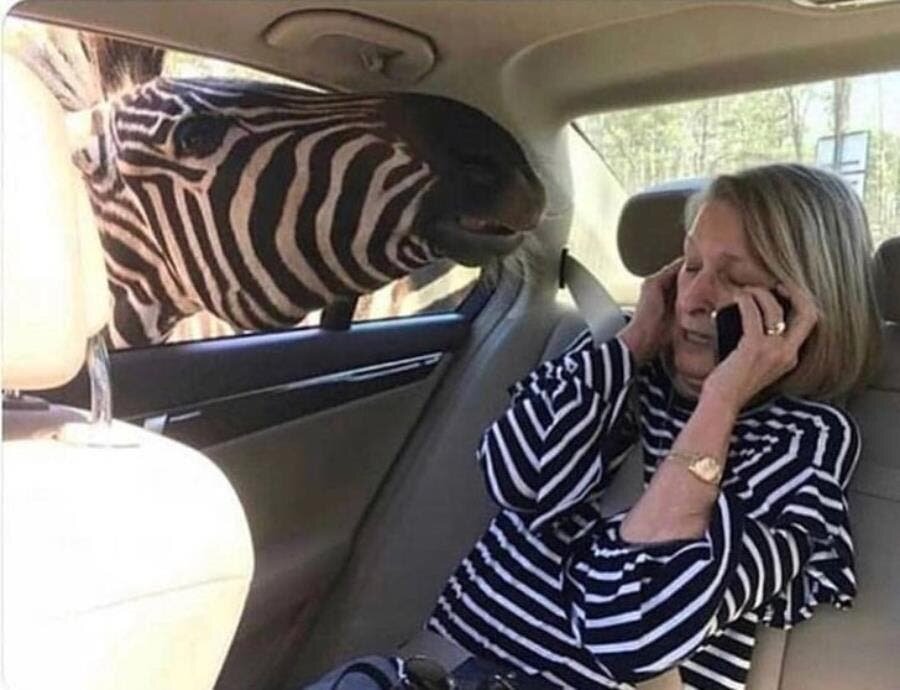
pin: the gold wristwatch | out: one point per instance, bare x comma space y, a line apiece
706, 468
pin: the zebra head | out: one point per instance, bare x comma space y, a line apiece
261, 202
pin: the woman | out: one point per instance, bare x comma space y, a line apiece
744, 517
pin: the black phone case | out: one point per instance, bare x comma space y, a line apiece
729, 328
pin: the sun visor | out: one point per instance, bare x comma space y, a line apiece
352, 51
651, 225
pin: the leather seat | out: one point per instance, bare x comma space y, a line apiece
126, 556
859, 648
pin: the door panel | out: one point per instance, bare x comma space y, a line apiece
306, 425
151, 381
305, 485
219, 420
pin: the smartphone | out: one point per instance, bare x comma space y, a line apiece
729, 328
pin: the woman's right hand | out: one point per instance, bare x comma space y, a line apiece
651, 326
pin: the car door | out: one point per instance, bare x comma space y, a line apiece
305, 424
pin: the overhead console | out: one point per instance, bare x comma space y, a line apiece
351, 50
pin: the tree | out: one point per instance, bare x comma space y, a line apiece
840, 109
694, 139
797, 100
882, 193
704, 138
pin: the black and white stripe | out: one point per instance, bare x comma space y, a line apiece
293, 200
260, 202
551, 588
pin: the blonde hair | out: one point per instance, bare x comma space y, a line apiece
807, 226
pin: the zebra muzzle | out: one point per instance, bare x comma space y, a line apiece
481, 225
471, 244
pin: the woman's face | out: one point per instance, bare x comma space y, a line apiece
718, 261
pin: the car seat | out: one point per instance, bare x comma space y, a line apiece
126, 557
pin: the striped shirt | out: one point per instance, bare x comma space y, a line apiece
551, 587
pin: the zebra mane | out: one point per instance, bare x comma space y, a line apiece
83, 69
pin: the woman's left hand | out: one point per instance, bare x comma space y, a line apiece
761, 358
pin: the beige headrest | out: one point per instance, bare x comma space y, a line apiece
887, 278
651, 225
124, 568
54, 281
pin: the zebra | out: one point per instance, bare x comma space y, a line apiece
260, 202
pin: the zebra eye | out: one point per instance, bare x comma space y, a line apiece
200, 136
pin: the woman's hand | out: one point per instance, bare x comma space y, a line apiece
651, 326
761, 359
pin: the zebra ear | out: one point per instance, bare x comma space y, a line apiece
87, 158
85, 129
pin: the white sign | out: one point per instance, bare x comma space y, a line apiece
854, 158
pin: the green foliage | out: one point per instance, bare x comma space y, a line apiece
719, 135
882, 193
696, 139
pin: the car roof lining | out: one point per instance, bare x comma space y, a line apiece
554, 60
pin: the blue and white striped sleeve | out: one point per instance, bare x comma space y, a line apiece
565, 429
641, 609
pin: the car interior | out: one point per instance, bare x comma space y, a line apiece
126, 553
351, 447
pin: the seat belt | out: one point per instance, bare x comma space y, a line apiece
601, 312
604, 318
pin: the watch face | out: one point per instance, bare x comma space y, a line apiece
707, 468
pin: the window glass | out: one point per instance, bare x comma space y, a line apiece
599, 197
437, 287
639, 148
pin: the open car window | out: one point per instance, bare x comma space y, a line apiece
618, 154
438, 287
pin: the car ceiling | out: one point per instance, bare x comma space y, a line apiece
551, 59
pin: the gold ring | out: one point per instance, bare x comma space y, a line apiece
778, 329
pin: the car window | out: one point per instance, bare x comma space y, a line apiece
438, 287
627, 151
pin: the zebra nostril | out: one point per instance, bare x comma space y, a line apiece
472, 223
484, 226
480, 173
